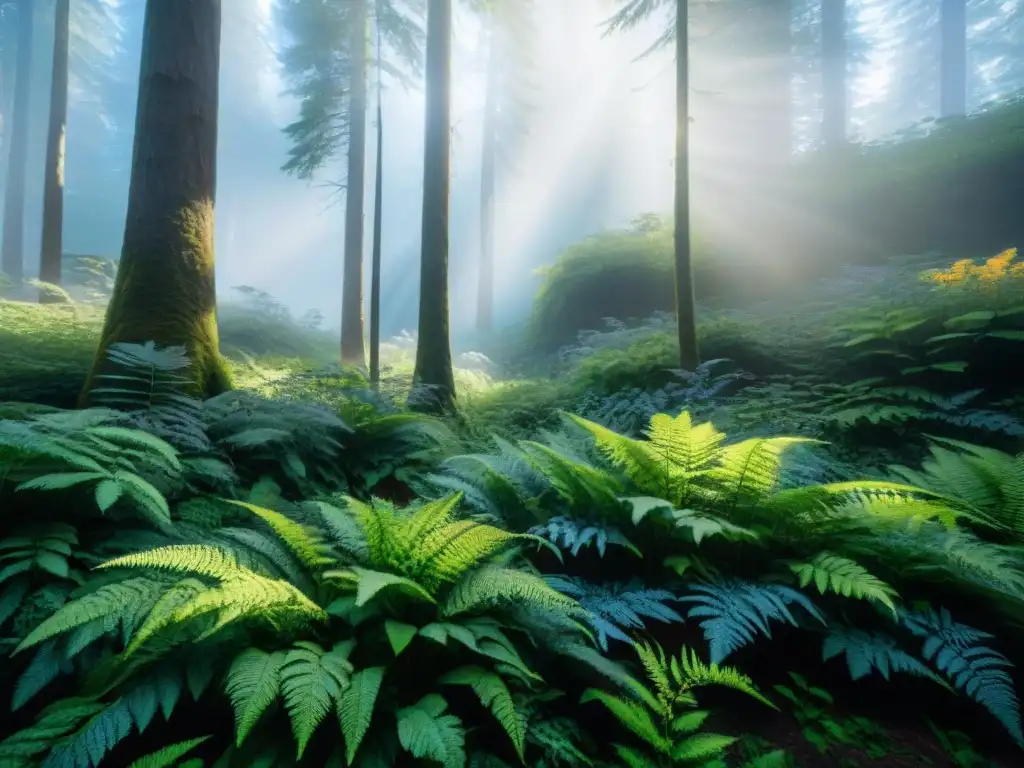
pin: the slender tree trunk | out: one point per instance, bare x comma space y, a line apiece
686, 314
378, 212
833, 72
353, 350
953, 64
165, 289
53, 185
12, 255
485, 289
433, 350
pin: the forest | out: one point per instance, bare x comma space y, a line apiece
723, 468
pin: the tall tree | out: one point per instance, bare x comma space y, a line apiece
433, 372
630, 13
833, 72
509, 33
165, 289
378, 215
51, 249
12, 257
327, 65
686, 302
953, 58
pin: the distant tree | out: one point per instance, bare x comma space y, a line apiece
12, 256
834, 65
433, 375
378, 221
327, 63
51, 248
509, 31
165, 283
953, 58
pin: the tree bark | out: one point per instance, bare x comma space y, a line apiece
12, 257
53, 184
686, 313
485, 288
378, 212
353, 350
433, 370
165, 290
833, 72
953, 62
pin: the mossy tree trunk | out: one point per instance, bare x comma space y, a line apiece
488, 162
165, 288
353, 350
686, 312
833, 72
433, 350
953, 64
53, 183
12, 256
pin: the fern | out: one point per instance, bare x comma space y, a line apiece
735, 612
844, 577
617, 607
168, 756
979, 671
425, 731
495, 696
865, 652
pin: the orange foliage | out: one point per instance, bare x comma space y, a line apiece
965, 273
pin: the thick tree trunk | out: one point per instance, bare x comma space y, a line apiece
165, 288
485, 288
12, 257
953, 64
53, 183
378, 212
433, 351
353, 350
833, 72
686, 313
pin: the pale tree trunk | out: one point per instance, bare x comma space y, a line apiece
378, 212
953, 64
353, 350
485, 288
165, 290
833, 72
12, 256
53, 185
686, 313
433, 350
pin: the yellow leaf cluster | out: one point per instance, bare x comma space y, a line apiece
965, 272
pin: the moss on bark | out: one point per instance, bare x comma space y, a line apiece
165, 290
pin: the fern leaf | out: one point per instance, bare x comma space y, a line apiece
305, 546
169, 756
253, 683
844, 577
701, 747
866, 651
493, 585
312, 682
495, 696
632, 716
426, 732
355, 708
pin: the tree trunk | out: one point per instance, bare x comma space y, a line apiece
433, 371
953, 62
378, 211
53, 183
165, 289
833, 72
686, 313
353, 350
12, 255
485, 289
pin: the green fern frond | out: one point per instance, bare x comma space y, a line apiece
355, 708
492, 586
169, 756
844, 577
196, 559
495, 696
867, 651
303, 544
748, 471
253, 683
632, 716
425, 732
312, 682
